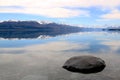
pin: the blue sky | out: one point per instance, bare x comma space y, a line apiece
77, 12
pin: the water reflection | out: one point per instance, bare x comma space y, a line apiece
31, 34
43, 61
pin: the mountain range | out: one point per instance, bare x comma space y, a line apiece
35, 26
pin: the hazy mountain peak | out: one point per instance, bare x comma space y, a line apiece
44, 22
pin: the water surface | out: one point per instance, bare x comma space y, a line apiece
42, 57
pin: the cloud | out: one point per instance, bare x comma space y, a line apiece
114, 14
45, 8
61, 3
52, 12
55, 8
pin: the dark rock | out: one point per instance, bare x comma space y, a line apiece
84, 64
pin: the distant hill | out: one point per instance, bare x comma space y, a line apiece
112, 28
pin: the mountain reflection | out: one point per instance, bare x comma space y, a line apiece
42, 34
30, 34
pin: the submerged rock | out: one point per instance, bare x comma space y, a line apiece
84, 64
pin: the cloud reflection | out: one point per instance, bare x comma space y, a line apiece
44, 61
113, 45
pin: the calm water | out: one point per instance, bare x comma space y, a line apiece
42, 58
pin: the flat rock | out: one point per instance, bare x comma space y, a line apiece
84, 64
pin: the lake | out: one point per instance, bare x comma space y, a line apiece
42, 57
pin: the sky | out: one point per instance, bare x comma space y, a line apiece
76, 12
